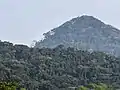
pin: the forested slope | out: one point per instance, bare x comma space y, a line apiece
57, 68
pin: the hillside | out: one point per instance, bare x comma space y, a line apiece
84, 33
57, 68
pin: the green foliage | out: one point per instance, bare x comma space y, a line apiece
91, 86
57, 68
10, 86
82, 88
104, 86
99, 86
22, 89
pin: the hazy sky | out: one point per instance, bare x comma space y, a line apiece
22, 21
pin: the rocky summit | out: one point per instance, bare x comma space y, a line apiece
86, 33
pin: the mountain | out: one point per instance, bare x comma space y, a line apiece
86, 33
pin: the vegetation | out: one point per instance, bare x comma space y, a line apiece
56, 69
10, 86
99, 86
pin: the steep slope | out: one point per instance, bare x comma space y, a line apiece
86, 33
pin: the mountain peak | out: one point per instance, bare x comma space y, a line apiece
87, 16
86, 33
86, 21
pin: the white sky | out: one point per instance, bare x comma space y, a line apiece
22, 21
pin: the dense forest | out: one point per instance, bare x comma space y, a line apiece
58, 68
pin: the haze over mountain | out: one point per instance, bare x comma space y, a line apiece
86, 33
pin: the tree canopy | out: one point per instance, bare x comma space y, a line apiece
57, 68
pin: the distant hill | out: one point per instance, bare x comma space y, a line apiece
86, 33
